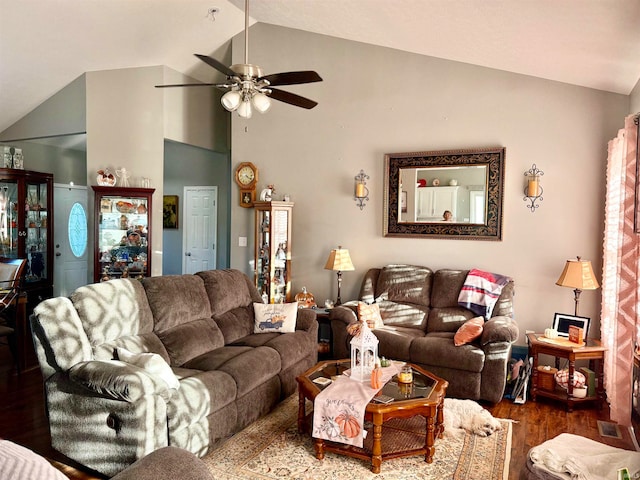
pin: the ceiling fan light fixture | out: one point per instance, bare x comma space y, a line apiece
231, 100
244, 110
261, 102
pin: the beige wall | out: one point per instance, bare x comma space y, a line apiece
194, 115
376, 100
125, 129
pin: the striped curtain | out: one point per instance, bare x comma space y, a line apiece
620, 316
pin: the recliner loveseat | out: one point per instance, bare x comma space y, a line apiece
106, 414
421, 314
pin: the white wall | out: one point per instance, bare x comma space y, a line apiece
376, 100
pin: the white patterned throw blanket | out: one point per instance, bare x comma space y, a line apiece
338, 411
481, 291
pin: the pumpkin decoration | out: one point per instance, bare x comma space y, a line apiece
376, 377
349, 425
305, 299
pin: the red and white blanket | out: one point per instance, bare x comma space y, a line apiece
481, 291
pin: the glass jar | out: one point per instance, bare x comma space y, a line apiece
406, 374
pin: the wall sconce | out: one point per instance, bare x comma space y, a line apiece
362, 192
533, 190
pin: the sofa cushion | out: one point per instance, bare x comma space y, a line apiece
199, 396
469, 331
248, 366
370, 314
405, 283
115, 309
275, 317
404, 314
447, 284
228, 290
395, 342
236, 323
438, 349
448, 319
182, 316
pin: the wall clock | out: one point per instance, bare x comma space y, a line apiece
247, 175
247, 197
247, 178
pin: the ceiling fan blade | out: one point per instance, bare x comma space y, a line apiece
292, 78
212, 62
291, 98
188, 85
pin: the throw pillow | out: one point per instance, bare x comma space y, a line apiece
275, 317
469, 331
151, 363
370, 314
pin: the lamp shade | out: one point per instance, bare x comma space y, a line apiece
261, 102
231, 100
339, 260
578, 274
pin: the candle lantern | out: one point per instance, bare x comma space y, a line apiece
361, 193
533, 189
364, 353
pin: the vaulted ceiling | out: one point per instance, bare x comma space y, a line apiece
44, 45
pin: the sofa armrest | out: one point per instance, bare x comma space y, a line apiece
118, 380
346, 313
306, 319
166, 463
499, 329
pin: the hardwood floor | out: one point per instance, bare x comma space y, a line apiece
23, 420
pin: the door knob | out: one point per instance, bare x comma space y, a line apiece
58, 254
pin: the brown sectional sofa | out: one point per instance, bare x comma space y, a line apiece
106, 414
421, 314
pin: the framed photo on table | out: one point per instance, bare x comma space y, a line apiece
170, 211
562, 322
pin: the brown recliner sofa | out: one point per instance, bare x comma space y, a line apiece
106, 414
421, 315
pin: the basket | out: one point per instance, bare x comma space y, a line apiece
546, 380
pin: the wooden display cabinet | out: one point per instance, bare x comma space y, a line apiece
26, 228
122, 232
273, 250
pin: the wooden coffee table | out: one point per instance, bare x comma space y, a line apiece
424, 397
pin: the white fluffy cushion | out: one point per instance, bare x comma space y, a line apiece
151, 363
275, 317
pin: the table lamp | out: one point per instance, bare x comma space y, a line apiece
339, 261
578, 274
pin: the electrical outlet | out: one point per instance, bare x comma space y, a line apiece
242, 241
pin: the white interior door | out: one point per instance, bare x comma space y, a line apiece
200, 212
70, 269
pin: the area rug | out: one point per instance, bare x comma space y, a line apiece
272, 448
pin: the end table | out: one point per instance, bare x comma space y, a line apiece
592, 350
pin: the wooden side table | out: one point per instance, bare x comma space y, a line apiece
592, 351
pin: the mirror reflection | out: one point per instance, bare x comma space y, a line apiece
449, 194
454, 194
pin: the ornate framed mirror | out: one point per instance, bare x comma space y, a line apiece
454, 194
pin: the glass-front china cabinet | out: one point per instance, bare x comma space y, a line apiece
26, 228
122, 232
273, 250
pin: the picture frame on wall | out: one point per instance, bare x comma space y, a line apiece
170, 211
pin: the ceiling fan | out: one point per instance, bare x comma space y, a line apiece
249, 88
